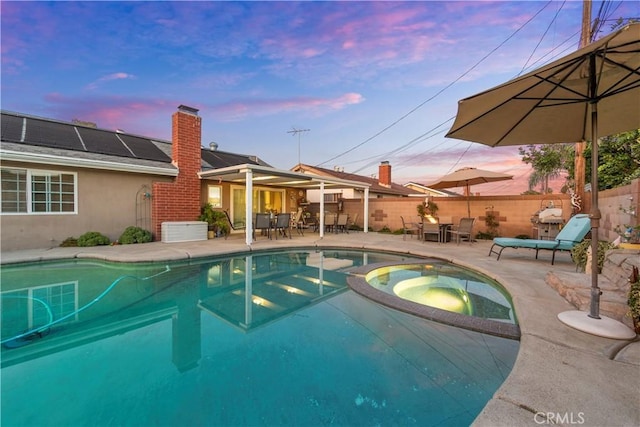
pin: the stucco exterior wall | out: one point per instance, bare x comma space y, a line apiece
106, 203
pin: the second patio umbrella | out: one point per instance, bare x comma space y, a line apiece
467, 177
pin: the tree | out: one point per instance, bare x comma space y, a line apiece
618, 159
547, 161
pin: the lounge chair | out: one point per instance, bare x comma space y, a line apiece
571, 234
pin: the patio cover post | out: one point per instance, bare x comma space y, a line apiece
248, 290
366, 209
321, 209
248, 202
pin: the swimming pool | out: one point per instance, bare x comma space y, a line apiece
252, 339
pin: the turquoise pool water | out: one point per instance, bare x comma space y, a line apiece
273, 338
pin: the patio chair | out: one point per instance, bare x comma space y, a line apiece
464, 229
431, 229
298, 222
329, 222
410, 228
353, 223
263, 223
571, 234
238, 225
341, 223
283, 225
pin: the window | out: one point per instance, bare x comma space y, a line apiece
39, 306
26, 191
215, 196
14, 190
264, 200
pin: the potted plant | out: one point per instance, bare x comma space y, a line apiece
629, 236
216, 220
428, 208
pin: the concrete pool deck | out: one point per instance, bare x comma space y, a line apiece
562, 376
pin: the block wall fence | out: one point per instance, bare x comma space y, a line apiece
513, 212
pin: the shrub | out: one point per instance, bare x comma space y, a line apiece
93, 238
69, 242
135, 235
579, 253
481, 235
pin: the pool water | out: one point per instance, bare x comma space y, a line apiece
213, 342
446, 286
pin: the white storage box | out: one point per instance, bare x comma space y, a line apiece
184, 231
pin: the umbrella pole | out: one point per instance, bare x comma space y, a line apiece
468, 202
595, 215
591, 322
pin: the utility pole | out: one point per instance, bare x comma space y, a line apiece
295, 132
579, 161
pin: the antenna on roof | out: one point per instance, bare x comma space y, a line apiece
295, 132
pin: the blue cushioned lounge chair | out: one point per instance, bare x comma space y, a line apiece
571, 234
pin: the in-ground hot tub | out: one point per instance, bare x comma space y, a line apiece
441, 291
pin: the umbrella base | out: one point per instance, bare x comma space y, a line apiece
603, 327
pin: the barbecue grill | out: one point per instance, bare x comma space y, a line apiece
547, 221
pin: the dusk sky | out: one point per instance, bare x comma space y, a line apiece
372, 81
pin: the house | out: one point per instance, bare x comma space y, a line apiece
431, 192
379, 187
60, 180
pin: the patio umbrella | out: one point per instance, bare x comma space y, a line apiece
592, 92
467, 177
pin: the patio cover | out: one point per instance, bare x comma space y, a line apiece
248, 174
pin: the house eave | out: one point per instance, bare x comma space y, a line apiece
48, 159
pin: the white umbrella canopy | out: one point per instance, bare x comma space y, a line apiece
592, 92
466, 177
553, 103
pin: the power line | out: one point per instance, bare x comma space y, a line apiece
440, 91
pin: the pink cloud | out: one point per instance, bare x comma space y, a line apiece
262, 107
109, 77
149, 117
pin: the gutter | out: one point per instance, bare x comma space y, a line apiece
48, 159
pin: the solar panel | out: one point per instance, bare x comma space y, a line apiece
51, 134
220, 159
11, 128
144, 148
103, 142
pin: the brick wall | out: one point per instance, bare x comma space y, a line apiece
384, 172
180, 200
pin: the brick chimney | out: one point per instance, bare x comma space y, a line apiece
180, 200
384, 174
